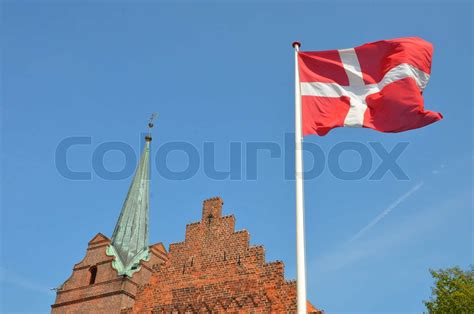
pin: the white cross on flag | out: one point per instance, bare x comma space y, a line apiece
377, 85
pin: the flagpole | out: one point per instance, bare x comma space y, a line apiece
300, 242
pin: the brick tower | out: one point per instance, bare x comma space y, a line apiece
96, 287
107, 278
215, 269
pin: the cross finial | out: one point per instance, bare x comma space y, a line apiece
151, 120
151, 125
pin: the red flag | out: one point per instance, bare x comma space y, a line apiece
377, 85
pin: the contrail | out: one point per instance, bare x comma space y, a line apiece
386, 211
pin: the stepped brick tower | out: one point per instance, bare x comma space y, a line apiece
96, 287
214, 270
106, 280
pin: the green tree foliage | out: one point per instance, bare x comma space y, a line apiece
453, 291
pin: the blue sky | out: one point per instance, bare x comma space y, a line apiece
223, 73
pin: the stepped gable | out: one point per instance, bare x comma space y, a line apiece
216, 270
94, 285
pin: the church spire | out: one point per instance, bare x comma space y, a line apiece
130, 238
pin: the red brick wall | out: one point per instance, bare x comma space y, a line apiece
216, 270
110, 293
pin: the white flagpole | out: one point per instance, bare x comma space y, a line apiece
300, 242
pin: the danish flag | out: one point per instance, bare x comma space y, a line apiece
377, 85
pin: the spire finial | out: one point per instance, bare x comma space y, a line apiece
151, 125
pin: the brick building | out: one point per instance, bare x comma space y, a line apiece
214, 270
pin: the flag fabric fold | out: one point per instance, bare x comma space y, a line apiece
378, 85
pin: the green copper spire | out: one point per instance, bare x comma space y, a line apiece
130, 237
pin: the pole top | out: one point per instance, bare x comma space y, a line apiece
296, 44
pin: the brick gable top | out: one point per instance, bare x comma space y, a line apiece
99, 238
